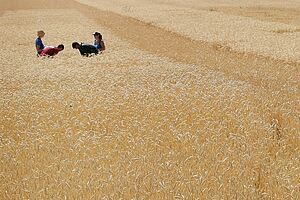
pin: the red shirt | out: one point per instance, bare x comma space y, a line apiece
50, 51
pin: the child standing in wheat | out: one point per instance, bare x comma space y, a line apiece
39, 43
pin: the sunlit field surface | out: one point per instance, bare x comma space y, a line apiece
191, 100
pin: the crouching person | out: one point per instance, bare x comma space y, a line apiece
85, 49
52, 51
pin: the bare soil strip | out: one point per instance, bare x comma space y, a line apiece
165, 43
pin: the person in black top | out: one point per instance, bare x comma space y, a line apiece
85, 49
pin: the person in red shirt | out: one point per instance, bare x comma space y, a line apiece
52, 51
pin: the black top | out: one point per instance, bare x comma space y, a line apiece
86, 49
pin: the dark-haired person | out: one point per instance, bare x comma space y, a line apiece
98, 43
85, 49
52, 51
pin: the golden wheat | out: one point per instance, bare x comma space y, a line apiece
142, 121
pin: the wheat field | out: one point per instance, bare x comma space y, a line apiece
192, 99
